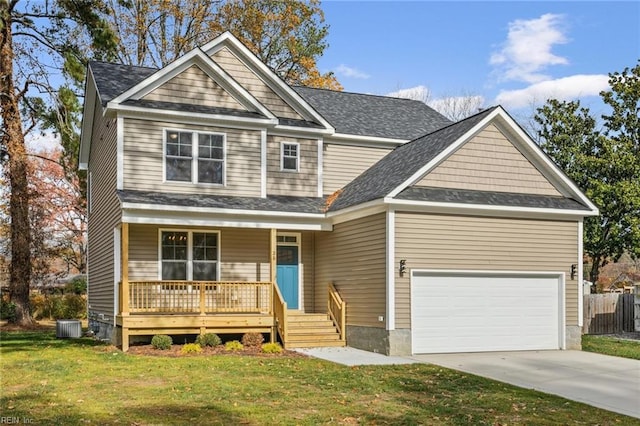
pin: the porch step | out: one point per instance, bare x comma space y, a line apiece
311, 330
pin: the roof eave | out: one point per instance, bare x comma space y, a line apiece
487, 209
91, 96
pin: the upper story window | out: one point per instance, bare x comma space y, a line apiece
194, 157
289, 156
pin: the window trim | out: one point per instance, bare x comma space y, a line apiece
282, 157
195, 143
190, 232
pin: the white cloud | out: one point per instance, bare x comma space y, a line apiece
527, 50
567, 88
347, 71
418, 93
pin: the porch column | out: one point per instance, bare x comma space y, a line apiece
272, 257
273, 245
125, 269
125, 285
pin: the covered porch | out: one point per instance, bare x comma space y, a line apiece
147, 305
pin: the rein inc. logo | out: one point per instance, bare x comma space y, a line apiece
7, 420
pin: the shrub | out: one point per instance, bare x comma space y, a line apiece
233, 345
78, 285
191, 348
7, 309
75, 306
252, 339
208, 339
161, 341
55, 306
271, 348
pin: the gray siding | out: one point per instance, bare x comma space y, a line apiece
489, 162
308, 272
483, 243
353, 258
104, 215
194, 87
343, 163
304, 182
253, 84
143, 159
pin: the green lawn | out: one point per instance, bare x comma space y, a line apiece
611, 346
79, 381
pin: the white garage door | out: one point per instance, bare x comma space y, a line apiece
475, 313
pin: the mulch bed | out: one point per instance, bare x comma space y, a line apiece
175, 351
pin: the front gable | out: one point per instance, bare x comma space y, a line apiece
194, 87
489, 161
264, 84
493, 165
250, 81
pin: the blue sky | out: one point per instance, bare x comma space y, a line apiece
508, 52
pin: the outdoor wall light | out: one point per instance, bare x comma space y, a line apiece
574, 269
403, 267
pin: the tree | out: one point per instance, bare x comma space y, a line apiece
287, 35
605, 163
37, 39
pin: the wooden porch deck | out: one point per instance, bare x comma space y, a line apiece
190, 307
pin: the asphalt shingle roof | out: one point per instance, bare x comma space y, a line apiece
350, 113
114, 79
370, 115
401, 163
192, 108
490, 198
275, 203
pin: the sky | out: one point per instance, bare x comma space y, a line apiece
513, 53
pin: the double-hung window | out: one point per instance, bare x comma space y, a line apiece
189, 255
194, 157
289, 156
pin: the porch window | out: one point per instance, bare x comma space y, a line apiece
194, 157
174, 255
290, 156
189, 255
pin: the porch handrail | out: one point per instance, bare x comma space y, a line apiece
280, 313
337, 309
200, 297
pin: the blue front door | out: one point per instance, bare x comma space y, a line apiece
287, 275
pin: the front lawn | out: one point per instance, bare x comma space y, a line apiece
613, 346
50, 381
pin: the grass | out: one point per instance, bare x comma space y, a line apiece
611, 346
79, 381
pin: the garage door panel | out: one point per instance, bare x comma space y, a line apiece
468, 313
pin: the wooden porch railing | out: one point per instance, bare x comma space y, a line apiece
280, 314
337, 309
198, 297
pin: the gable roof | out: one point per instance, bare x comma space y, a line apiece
391, 177
372, 115
349, 113
402, 163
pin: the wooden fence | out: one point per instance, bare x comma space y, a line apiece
608, 313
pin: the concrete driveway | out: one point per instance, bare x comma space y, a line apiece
603, 381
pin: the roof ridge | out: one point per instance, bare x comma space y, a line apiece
356, 93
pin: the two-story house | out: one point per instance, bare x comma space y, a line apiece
223, 200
